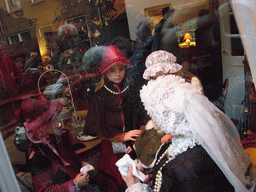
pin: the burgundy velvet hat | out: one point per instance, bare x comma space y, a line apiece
37, 115
112, 55
98, 59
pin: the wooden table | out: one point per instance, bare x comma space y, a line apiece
91, 148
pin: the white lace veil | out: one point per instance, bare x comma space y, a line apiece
177, 106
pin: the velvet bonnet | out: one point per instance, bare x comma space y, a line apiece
160, 61
99, 59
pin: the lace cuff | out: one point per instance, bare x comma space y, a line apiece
139, 187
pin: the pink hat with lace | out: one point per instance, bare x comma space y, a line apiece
160, 61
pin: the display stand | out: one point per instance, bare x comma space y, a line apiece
68, 108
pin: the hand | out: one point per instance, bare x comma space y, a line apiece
167, 138
131, 134
130, 179
82, 180
128, 150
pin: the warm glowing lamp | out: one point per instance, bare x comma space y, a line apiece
187, 38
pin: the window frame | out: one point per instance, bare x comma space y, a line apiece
19, 37
11, 8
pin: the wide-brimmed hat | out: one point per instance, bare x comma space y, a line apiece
160, 61
112, 55
37, 116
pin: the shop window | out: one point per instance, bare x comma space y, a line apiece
13, 5
14, 39
25, 36
2, 37
20, 37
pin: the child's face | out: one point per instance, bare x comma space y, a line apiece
116, 73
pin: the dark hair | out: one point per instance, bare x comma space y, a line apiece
125, 43
185, 75
144, 28
203, 12
203, 16
165, 10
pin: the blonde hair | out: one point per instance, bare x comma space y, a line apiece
185, 74
100, 84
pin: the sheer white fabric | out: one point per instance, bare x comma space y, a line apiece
181, 109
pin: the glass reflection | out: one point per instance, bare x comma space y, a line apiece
37, 34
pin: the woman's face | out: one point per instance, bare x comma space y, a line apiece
116, 73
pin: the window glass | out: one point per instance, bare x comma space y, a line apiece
236, 43
25, 36
13, 5
44, 43
14, 39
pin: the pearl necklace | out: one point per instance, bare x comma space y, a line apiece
116, 93
159, 175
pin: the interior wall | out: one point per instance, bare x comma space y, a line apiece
186, 9
246, 18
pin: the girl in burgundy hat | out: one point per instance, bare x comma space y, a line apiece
109, 113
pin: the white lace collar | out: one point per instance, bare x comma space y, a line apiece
163, 101
182, 140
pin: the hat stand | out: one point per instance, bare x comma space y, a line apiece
67, 105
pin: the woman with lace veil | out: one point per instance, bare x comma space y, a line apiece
205, 153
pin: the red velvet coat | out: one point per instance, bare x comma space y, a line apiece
48, 173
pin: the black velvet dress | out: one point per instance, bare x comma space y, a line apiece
104, 117
193, 170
